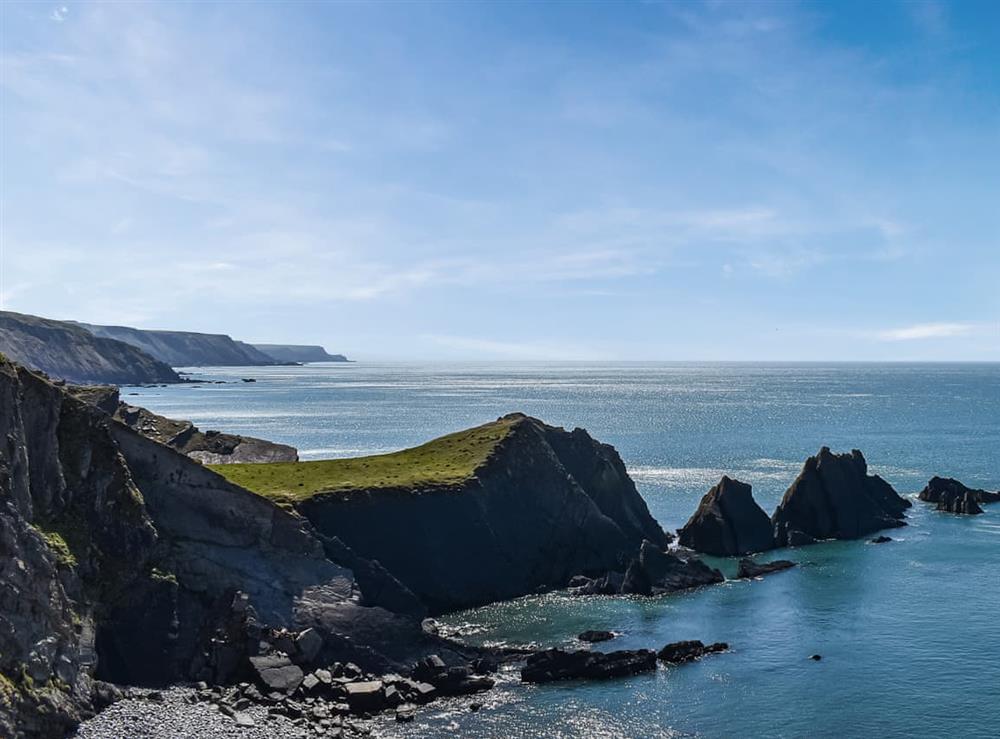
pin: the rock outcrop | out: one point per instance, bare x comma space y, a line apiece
952, 496
728, 522
834, 497
546, 504
557, 664
208, 447
123, 560
677, 653
749, 569
65, 351
186, 348
298, 353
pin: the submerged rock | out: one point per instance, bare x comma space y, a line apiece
557, 664
750, 569
596, 636
881, 540
834, 497
680, 652
728, 522
952, 496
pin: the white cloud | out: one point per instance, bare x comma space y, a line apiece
59, 14
928, 331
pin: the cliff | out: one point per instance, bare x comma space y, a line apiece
186, 348
124, 560
297, 353
490, 513
66, 351
834, 497
728, 522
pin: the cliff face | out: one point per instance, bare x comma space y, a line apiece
66, 351
297, 353
834, 497
186, 348
546, 505
123, 560
728, 522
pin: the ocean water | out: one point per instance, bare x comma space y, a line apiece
909, 631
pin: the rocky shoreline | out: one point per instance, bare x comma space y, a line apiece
125, 562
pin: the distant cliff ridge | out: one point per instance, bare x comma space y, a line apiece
66, 351
186, 348
299, 353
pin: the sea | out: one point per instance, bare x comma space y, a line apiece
909, 631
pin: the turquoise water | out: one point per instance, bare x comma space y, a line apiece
908, 630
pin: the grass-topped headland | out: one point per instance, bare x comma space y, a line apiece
449, 460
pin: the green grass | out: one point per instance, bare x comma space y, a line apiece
450, 460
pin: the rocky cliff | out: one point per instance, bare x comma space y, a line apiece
66, 351
123, 560
834, 497
728, 522
539, 505
298, 353
186, 348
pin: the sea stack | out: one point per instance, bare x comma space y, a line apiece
834, 497
952, 496
728, 522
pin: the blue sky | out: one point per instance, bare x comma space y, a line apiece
733, 181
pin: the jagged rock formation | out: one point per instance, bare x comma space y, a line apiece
680, 652
749, 569
728, 522
834, 497
208, 447
298, 353
544, 505
68, 352
186, 348
557, 664
122, 559
952, 496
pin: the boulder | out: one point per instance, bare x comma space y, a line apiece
881, 540
308, 645
834, 497
679, 652
668, 572
749, 569
366, 697
728, 522
596, 636
276, 672
557, 664
952, 496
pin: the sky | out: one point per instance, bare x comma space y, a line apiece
511, 181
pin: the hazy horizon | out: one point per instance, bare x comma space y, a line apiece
511, 181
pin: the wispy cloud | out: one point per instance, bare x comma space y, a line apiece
59, 13
918, 331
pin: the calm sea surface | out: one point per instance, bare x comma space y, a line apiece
909, 631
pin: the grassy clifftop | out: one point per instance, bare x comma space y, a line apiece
449, 460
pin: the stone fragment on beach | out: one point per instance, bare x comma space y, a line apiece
728, 522
558, 664
749, 569
366, 697
277, 673
596, 636
680, 652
